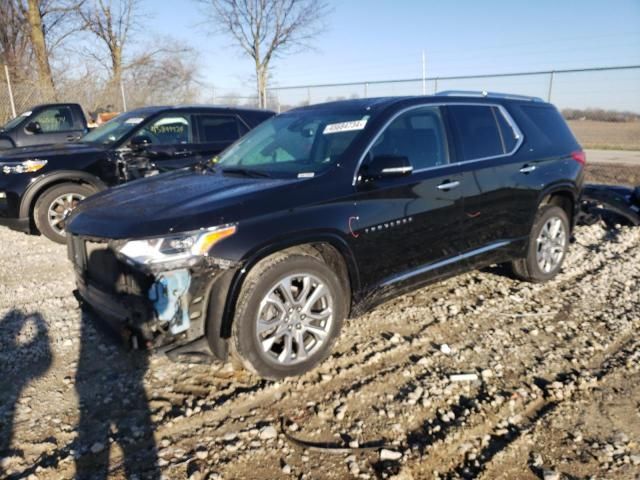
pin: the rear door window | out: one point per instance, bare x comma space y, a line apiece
171, 129
418, 135
478, 132
220, 128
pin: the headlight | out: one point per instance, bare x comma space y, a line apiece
28, 166
174, 247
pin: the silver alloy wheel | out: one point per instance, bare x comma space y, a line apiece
294, 319
60, 209
550, 244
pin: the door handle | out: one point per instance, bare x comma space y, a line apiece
71, 138
527, 169
448, 185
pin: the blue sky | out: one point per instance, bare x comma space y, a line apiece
384, 39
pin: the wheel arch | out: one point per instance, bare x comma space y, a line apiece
43, 183
564, 196
332, 249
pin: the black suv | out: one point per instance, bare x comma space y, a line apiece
40, 185
320, 214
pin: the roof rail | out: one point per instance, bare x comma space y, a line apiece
485, 94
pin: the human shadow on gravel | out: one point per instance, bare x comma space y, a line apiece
25, 354
114, 408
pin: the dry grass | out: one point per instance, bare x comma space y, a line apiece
607, 135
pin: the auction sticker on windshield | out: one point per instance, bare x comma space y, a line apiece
134, 120
345, 126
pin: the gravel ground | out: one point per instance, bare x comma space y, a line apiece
556, 392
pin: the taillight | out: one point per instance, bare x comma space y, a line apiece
579, 156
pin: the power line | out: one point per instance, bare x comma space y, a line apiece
460, 77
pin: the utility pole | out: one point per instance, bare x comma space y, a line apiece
124, 100
424, 73
13, 104
550, 86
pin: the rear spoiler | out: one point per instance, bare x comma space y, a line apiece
612, 203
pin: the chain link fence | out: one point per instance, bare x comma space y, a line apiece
609, 88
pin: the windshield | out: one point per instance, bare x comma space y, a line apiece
13, 122
299, 143
114, 130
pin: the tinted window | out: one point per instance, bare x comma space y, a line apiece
297, 142
417, 135
168, 130
547, 127
219, 128
478, 133
57, 119
507, 135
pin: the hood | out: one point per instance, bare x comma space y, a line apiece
176, 202
47, 151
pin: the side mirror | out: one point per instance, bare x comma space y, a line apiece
33, 127
140, 142
387, 166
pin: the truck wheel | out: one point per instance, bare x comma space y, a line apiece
288, 315
53, 207
547, 248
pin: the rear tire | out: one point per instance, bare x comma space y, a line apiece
547, 249
288, 315
54, 205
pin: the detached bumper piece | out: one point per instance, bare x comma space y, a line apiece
164, 312
611, 203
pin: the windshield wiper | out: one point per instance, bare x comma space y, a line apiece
246, 172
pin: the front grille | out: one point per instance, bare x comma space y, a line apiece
99, 264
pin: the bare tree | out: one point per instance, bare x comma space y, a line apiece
264, 29
112, 22
33, 15
14, 38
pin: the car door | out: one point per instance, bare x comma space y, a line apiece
169, 141
494, 201
408, 227
215, 132
53, 124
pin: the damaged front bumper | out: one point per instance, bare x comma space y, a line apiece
611, 203
165, 309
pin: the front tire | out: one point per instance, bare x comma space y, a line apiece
288, 315
53, 207
548, 244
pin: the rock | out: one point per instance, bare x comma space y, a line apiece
97, 447
202, 454
620, 438
446, 349
286, 469
635, 459
268, 433
550, 475
390, 455
486, 373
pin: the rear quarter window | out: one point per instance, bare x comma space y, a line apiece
546, 129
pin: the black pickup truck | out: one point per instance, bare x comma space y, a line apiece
44, 124
40, 185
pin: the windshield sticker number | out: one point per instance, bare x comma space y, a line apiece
134, 120
306, 175
345, 127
